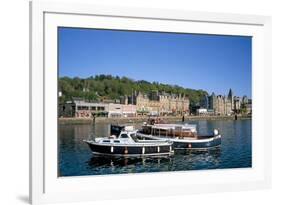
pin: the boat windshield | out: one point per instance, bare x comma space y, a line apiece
134, 137
124, 136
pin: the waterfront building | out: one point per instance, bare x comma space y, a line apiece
129, 110
202, 111
156, 103
244, 100
164, 99
212, 102
246, 105
249, 107
83, 109
237, 104
154, 95
230, 97
114, 110
222, 105
142, 102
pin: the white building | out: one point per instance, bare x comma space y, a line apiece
202, 111
82, 109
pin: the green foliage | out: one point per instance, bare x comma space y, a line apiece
112, 87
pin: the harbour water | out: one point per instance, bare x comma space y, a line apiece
76, 159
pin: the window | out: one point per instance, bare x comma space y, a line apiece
93, 108
106, 141
133, 135
83, 108
116, 141
124, 136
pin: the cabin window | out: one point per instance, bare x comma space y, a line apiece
106, 141
124, 136
116, 141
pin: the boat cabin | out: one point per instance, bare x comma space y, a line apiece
117, 129
125, 137
170, 130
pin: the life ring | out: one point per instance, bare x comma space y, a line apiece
126, 150
189, 146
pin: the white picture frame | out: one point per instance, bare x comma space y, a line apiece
46, 187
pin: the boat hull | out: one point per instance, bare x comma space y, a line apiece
196, 144
130, 151
204, 142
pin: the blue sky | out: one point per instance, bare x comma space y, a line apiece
213, 63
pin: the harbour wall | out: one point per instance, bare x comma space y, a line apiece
143, 119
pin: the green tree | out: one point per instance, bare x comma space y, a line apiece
111, 87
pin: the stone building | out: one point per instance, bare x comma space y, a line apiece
142, 102
244, 100
225, 105
249, 107
219, 104
237, 104
156, 103
179, 104
230, 97
165, 104
246, 105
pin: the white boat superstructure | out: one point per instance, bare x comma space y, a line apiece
129, 138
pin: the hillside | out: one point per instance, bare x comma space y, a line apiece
112, 87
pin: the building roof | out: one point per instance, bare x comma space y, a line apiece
83, 103
230, 93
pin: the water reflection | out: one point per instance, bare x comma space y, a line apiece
183, 160
97, 161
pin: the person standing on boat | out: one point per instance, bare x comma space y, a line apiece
183, 118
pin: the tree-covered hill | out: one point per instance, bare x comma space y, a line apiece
112, 87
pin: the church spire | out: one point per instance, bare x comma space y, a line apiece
230, 94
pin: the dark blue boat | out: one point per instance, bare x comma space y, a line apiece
128, 144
